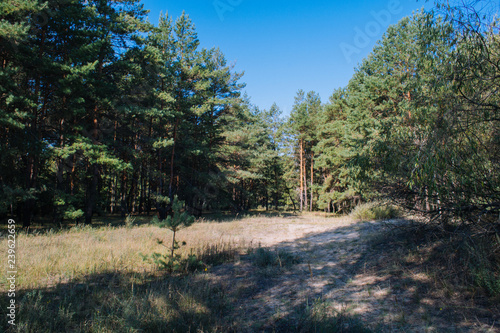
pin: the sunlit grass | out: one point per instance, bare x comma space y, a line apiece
50, 258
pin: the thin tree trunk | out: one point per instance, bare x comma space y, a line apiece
59, 181
170, 186
32, 163
123, 201
132, 193
94, 168
91, 193
305, 180
267, 197
312, 179
276, 185
173, 245
301, 178
113, 195
291, 198
427, 204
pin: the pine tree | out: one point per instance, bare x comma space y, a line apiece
303, 127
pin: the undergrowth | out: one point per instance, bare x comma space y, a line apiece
199, 259
114, 302
465, 261
481, 255
375, 210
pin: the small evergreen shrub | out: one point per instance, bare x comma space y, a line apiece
173, 262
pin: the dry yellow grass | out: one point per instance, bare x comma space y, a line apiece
362, 271
43, 260
47, 259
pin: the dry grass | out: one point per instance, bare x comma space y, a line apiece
44, 260
47, 259
94, 280
303, 273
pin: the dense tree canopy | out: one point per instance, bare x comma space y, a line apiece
419, 120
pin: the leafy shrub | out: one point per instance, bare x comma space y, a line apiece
263, 257
375, 210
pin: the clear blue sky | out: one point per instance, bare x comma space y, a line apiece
285, 45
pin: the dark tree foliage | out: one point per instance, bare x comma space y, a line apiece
98, 117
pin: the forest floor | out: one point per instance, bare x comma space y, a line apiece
293, 273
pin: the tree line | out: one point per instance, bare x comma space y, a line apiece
417, 123
103, 112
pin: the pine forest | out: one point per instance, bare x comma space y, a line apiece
108, 120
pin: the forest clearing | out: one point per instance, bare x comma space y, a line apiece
285, 273
142, 188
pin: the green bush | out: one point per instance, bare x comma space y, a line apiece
375, 210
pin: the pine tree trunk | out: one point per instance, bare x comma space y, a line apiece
172, 159
91, 193
301, 178
113, 195
312, 179
123, 196
267, 197
291, 198
159, 184
148, 199
132, 193
306, 207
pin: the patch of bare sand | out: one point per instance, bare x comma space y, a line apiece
337, 267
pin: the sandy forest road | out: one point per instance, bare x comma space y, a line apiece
344, 267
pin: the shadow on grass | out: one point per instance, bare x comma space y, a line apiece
115, 302
119, 302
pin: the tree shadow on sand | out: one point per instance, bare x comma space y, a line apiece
367, 274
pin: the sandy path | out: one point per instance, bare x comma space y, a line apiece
340, 270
